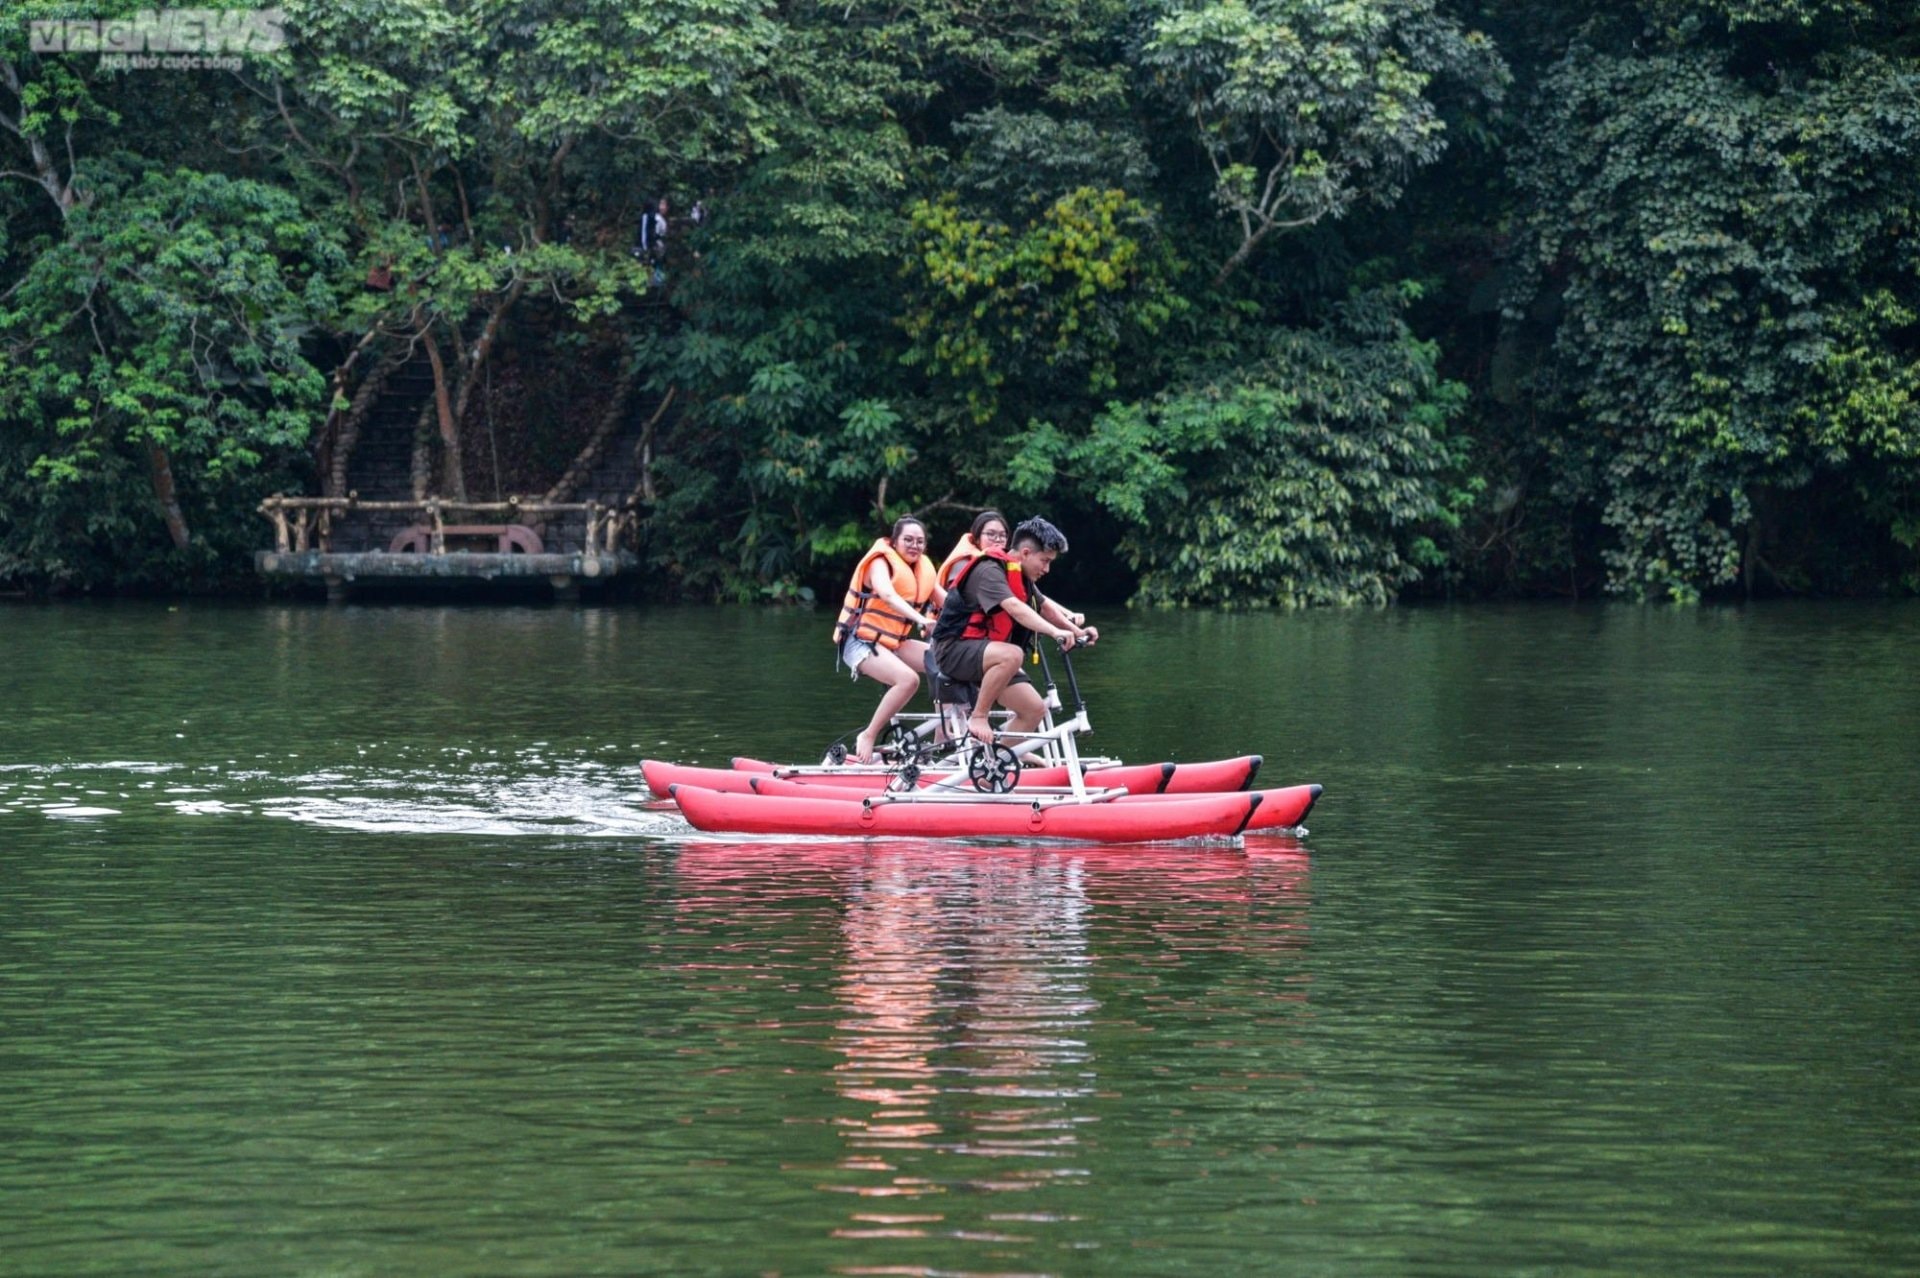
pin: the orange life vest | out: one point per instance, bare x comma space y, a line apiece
995, 625
950, 565
870, 617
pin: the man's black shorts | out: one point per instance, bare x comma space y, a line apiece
960, 661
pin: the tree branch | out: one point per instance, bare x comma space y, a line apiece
293, 129
61, 192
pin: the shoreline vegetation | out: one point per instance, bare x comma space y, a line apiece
1267, 303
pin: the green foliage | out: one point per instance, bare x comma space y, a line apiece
1313, 473
170, 315
953, 262
1059, 298
1738, 295
1306, 109
1736, 14
1020, 161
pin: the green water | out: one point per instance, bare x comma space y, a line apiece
344, 942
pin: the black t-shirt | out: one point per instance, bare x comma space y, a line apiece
984, 589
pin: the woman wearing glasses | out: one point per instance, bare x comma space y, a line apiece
893, 589
989, 532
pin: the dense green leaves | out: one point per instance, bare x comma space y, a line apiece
1053, 302
1306, 108
1307, 473
1271, 302
1735, 268
163, 334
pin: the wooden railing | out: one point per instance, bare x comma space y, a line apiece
296, 520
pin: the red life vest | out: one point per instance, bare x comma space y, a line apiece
870, 617
995, 625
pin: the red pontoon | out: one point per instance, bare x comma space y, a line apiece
1278, 809
1123, 819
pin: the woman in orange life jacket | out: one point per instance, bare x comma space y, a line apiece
994, 607
989, 532
893, 590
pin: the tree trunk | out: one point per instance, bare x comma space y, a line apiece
421, 474
161, 468
426, 205
470, 371
453, 410
646, 491
454, 481
543, 199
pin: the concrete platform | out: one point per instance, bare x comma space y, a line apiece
340, 572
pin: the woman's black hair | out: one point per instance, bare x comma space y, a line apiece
981, 520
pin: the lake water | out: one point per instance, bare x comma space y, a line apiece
345, 942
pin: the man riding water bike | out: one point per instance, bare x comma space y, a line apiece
993, 608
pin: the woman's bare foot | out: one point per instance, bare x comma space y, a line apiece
980, 730
863, 748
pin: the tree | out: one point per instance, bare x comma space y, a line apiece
1306, 109
1049, 307
165, 322
1315, 474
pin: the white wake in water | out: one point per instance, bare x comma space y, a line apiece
447, 791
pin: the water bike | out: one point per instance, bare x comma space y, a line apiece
951, 759
925, 741
986, 790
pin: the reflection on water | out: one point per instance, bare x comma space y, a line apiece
973, 1065
964, 1008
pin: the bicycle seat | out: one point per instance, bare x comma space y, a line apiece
945, 690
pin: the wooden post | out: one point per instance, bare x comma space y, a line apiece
439, 541
278, 510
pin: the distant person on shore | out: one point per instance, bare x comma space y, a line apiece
988, 532
993, 610
650, 241
893, 589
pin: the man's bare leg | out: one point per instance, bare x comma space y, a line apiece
998, 665
1027, 706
